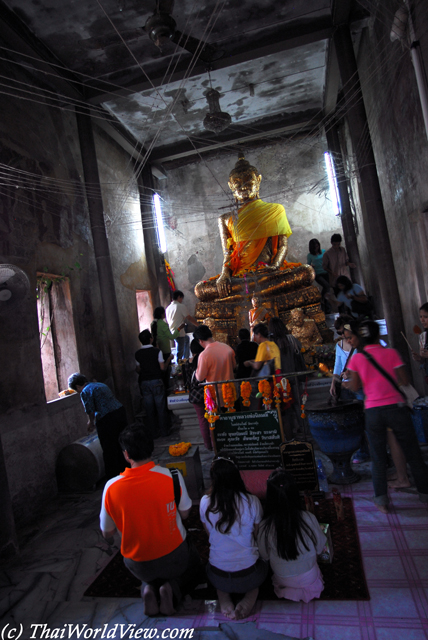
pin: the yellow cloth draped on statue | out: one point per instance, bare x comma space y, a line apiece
257, 221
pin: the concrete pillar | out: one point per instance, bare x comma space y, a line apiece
102, 255
346, 218
380, 246
160, 288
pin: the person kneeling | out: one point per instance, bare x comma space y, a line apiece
290, 539
141, 504
230, 516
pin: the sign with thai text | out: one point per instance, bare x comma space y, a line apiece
298, 458
253, 437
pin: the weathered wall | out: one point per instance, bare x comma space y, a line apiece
44, 227
401, 150
32, 438
196, 194
122, 210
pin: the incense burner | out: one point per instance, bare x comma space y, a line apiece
338, 431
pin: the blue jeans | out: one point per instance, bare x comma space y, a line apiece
183, 350
154, 402
399, 420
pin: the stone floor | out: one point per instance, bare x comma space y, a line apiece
63, 551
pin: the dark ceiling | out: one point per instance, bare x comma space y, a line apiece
273, 65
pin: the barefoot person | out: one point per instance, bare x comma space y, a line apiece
380, 371
231, 516
290, 539
142, 505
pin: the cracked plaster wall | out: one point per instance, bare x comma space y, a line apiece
44, 227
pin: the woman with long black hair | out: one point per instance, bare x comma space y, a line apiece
231, 517
290, 538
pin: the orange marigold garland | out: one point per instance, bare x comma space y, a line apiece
179, 449
266, 391
229, 396
246, 390
210, 405
277, 393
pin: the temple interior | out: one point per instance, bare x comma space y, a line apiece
101, 112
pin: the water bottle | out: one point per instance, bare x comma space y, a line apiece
322, 478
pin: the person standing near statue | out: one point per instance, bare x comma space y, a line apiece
217, 360
335, 261
176, 315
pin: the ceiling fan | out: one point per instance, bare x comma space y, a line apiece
161, 27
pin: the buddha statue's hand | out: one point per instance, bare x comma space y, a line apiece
223, 285
271, 267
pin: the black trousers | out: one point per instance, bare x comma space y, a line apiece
109, 428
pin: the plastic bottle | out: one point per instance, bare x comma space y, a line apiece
322, 478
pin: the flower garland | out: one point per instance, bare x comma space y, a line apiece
286, 390
229, 396
179, 449
277, 393
210, 405
304, 400
266, 391
170, 276
246, 390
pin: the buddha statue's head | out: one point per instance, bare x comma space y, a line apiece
244, 180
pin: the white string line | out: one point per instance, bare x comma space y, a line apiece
144, 72
168, 111
100, 78
181, 53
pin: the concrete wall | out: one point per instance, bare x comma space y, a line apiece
401, 150
44, 227
293, 174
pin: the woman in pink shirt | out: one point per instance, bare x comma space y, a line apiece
385, 408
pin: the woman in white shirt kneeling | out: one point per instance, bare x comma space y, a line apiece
231, 517
290, 539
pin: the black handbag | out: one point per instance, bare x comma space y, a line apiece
196, 390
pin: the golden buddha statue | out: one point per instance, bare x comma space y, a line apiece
257, 314
304, 329
254, 241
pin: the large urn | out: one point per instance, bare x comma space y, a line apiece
338, 431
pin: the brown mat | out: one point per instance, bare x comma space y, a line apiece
344, 578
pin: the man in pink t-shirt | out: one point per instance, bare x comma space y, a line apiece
385, 408
217, 360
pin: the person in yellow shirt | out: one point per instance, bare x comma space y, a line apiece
267, 350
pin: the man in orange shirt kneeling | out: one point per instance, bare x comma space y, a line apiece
141, 505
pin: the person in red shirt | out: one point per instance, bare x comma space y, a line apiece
140, 504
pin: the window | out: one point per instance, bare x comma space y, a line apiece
144, 309
57, 336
